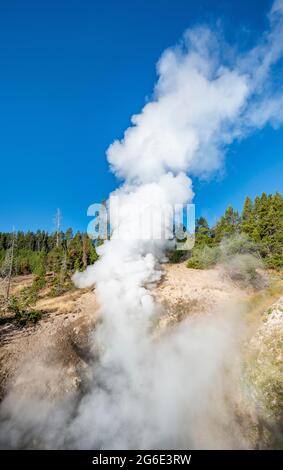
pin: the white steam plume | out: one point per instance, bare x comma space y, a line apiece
157, 392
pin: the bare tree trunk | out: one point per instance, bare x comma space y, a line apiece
57, 223
10, 268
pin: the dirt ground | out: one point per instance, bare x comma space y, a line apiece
204, 289
63, 333
30, 355
60, 336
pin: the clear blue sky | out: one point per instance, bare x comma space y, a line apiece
72, 74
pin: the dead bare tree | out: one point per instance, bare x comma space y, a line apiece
7, 268
57, 220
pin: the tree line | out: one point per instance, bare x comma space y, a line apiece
261, 221
38, 251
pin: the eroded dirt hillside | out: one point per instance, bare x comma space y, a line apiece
46, 356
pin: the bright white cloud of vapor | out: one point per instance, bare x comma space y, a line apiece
157, 392
206, 95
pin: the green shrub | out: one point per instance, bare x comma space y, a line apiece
60, 284
194, 263
31, 316
238, 244
38, 283
21, 305
29, 295
204, 258
243, 267
23, 315
176, 256
15, 305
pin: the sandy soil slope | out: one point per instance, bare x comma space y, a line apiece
59, 338
50, 358
203, 288
62, 335
186, 291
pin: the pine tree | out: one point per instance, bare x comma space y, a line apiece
54, 259
227, 225
203, 233
248, 220
272, 240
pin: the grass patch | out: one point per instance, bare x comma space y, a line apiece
25, 317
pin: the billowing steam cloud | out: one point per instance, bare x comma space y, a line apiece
156, 390
206, 96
